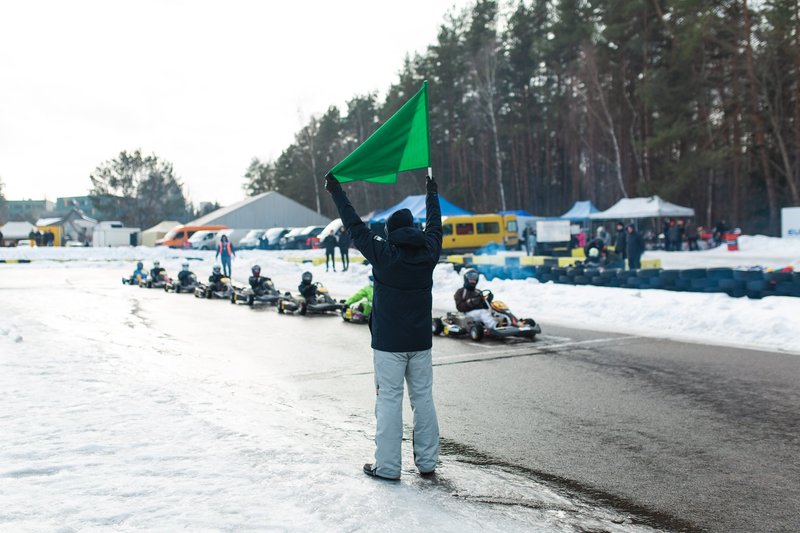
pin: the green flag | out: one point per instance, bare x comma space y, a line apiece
401, 144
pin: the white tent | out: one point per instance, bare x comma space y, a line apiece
652, 207
14, 231
151, 235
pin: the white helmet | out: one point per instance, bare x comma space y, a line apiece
594, 253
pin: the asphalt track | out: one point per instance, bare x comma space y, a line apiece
686, 437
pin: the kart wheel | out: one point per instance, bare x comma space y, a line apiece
208, 294
280, 308
149, 284
233, 298
476, 332
530, 322
177, 289
303, 309
251, 300
437, 326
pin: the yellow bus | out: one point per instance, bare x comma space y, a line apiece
467, 233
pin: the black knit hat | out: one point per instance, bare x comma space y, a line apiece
399, 219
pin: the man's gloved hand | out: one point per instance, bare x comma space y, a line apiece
489, 297
332, 184
430, 185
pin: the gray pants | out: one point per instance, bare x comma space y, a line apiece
390, 370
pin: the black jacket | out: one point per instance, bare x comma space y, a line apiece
216, 278
403, 269
155, 273
309, 291
621, 246
469, 299
259, 284
185, 277
344, 241
329, 243
635, 245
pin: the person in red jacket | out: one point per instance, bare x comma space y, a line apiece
225, 252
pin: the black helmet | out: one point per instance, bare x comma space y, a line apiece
307, 277
256, 270
139, 265
471, 278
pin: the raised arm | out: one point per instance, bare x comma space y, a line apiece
433, 217
364, 240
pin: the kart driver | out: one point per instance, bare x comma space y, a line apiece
185, 276
471, 302
362, 300
258, 283
215, 279
139, 273
156, 273
306, 288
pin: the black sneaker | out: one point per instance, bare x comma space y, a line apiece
431, 474
372, 472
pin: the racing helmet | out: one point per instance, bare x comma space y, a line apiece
216, 269
185, 267
139, 265
471, 278
156, 264
594, 252
256, 270
307, 277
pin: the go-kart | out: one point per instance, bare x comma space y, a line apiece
246, 295
209, 291
322, 303
177, 287
508, 325
155, 283
354, 314
134, 280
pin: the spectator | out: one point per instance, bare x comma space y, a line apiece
634, 248
674, 236
620, 244
603, 235
344, 248
225, 253
400, 324
329, 242
692, 235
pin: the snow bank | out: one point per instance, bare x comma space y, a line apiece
754, 251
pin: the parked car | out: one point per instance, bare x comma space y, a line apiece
203, 240
177, 236
234, 235
302, 239
252, 240
272, 237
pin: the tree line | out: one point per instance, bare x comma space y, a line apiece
535, 104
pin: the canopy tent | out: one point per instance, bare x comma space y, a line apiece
580, 210
518, 212
151, 235
14, 231
652, 207
416, 204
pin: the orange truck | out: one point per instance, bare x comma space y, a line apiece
177, 236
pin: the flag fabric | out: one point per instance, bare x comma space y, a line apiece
402, 143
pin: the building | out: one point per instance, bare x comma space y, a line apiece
266, 210
65, 204
74, 226
28, 210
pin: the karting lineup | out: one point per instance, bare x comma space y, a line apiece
478, 314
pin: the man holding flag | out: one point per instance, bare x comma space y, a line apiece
402, 266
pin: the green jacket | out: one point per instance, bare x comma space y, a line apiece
364, 293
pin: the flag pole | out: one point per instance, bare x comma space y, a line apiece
428, 124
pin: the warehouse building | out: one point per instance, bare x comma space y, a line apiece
266, 210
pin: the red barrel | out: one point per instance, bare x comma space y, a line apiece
732, 240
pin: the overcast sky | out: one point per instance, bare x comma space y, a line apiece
204, 85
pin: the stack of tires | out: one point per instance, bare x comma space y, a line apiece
754, 284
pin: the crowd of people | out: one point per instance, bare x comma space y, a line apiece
42, 238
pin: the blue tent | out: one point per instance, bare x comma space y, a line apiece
518, 212
416, 204
580, 211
